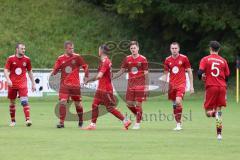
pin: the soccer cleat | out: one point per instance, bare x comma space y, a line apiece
28, 123
178, 127
90, 127
60, 125
80, 124
12, 124
136, 126
219, 137
127, 124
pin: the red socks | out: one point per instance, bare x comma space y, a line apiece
62, 113
12, 110
132, 109
79, 110
94, 113
115, 112
26, 110
178, 113
139, 114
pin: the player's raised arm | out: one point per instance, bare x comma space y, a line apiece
97, 77
55, 68
119, 73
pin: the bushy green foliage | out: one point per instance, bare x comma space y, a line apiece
44, 26
192, 23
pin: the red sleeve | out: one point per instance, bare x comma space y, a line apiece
166, 68
29, 65
145, 65
124, 63
202, 65
8, 63
187, 63
227, 71
56, 66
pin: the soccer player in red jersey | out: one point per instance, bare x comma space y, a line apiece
104, 94
176, 66
15, 71
137, 67
214, 71
69, 65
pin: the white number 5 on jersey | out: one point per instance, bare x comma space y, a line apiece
215, 67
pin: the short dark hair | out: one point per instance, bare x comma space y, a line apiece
133, 43
175, 43
66, 43
215, 46
105, 49
18, 44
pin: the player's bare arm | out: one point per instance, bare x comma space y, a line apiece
146, 74
97, 77
86, 73
6, 74
119, 73
30, 74
189, 71
164, 79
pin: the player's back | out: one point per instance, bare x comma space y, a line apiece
216, 69
105, 83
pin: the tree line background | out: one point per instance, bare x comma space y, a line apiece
192, 23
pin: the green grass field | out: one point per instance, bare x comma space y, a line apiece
155, 140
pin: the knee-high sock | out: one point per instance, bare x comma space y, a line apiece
132, 109
219, 122
177, 111
62, 113
12, 109
94, 113
79, 110
115, 112
139, 114
26, 110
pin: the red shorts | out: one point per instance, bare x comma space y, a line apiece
138, 95
176, 92
73, 93
104, 98
215, 97
13, 92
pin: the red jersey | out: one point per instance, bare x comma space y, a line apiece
135, 68
216, 69
18, 68
105, 83
177, 69
69, 66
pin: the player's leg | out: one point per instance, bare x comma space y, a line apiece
12, 95
209, 102
219, 122
210, 112
95, 104
221, 102
62, 112
79, 109
140, 96
130, 101
177, 111
23, 94
139, 115
110, 103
